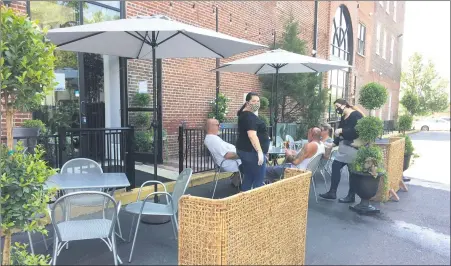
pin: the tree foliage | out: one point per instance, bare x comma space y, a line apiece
26, 65
373, 96
411, 102
421, 79
299, 97
405, 123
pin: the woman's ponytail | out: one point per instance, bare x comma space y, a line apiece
241, 110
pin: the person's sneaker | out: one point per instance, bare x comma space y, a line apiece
405, 179
347, 199
329, 195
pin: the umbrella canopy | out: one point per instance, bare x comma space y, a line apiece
149, 38
281, 61
132, 38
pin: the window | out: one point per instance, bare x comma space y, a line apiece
384, 45
361, 39
392, 47
378, 38
394, 10
387, 7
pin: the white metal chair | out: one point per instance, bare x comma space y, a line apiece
313, 166
293, 144
80, 166
145, 207
99, 224
219, 169
279, 141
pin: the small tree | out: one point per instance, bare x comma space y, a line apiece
405, 123
411, 102
423, 81
373, 96
26, 64
223, 108
298, 96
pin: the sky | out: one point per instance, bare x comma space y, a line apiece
427, 30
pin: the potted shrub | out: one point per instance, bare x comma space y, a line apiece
404, 124
368, 167
25, 81
22, 193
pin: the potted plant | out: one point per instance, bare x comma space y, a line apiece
25, 82
368, 167
22, 193
404, 124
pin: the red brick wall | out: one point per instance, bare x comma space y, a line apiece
21, 7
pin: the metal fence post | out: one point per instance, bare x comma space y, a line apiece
130, 162
180, 140
61, 146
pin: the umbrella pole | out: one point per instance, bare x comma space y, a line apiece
276, 107
154, 219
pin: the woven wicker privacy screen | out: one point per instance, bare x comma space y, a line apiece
262, 226
393, 161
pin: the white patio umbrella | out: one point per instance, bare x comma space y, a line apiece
149, 38
280, 61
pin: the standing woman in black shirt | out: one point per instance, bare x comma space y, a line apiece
344, 136
253, 143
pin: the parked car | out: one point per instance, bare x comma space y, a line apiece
432, 124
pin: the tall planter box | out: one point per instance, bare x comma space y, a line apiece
262, 226
393, 152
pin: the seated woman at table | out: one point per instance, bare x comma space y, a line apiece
300, 160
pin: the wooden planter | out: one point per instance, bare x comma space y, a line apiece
262, 226
393, 153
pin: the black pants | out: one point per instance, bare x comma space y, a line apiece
336, 176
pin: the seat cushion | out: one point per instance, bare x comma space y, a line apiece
84, 229
150, 208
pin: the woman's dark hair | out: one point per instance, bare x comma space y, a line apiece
348, 105
248, 98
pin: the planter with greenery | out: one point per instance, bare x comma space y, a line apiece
26, 71
405, 124
22, 193
368, 167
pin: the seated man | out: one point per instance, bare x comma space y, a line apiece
221, 150
302, 159
326, 139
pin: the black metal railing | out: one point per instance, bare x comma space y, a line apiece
389, 126
112, 148
192, 151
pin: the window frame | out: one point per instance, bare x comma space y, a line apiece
378, 37
395, 10
387, 7
392, 49
384, 45
361, 40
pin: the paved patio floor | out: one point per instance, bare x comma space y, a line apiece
413, 231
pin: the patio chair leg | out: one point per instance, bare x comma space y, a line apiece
31, 242
113, 240
55, 249
215, 180
174, 226
45, 242
324, 177
314, 188
134, 238
131, 228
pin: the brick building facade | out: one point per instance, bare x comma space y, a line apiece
188, 85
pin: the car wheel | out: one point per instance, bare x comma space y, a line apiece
424, 128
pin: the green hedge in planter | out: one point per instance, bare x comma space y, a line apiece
408, 146
405, 123
369, 128
35, 124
